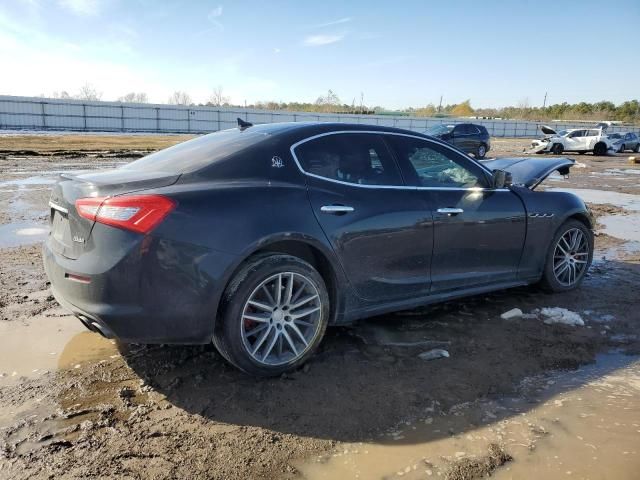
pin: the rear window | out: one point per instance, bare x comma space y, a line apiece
198, 153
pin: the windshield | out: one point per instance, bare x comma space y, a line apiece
615, 135
199, 152
563, 133
439, 129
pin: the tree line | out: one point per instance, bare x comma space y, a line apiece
330, 102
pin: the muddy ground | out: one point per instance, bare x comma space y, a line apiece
74, 405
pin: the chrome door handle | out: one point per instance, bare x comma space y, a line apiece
336, 209
450, 211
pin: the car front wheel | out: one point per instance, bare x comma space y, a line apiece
568, 258
482, 151
637, 149
557, 149
275, 313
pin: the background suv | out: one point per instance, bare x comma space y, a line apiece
468, 137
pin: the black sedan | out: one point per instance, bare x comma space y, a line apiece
468, 137
257, 238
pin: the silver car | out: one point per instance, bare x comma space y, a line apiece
625, 141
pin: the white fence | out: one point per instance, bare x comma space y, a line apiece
35, 113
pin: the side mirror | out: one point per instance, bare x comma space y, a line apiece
502, 179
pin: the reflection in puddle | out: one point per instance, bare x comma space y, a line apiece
17, 234
624, 227
623, 200
48, 344
584, 423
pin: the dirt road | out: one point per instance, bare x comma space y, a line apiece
75, 405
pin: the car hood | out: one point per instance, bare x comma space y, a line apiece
530, 172
547, 130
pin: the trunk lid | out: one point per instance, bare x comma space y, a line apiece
71, 233
530, 172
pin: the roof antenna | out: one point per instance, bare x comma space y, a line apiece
242, 125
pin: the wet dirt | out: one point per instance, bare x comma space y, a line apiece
182, 412
582, 424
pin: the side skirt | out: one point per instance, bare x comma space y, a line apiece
431, 299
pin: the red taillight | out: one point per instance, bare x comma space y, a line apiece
138, 213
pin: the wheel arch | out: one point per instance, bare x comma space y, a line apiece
305, 248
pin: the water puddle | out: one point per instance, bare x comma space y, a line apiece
22, 233
624, 227
581, 424
47, 344
623, 200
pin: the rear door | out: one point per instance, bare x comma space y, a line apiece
381, 230
479, 231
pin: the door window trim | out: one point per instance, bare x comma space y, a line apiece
390, 187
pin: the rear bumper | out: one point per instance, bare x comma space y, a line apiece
157, 292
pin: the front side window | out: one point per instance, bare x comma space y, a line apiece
432, 165
576, 134
359, 158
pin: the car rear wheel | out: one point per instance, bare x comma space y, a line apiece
275, 313
481, 151
569, 257
557, 149
637, 149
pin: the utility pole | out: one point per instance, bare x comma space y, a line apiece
440, 105
544, 103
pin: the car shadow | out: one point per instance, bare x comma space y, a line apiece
366, 378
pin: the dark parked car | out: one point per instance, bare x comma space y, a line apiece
468, 137
258, 238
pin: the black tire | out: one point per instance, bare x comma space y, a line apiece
229, 335
549, 282
623, 147
557, 149
637, 149
481, 151
600, 149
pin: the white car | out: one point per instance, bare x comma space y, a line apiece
579, 140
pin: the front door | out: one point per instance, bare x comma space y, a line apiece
381, 230
576, 141
479, 231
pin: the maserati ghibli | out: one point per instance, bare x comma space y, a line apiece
259, 237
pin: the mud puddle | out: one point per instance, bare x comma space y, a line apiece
580, 424
22, 233
624, 200
48, 343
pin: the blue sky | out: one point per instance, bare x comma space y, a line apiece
398, 54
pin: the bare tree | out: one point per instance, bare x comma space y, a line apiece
328, 102
134, 97
217, 97
63, 94
179, 98
88, 92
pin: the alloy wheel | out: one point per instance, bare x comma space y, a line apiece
281, 319
570, 257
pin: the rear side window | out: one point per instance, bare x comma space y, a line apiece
359, 158
198, 153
